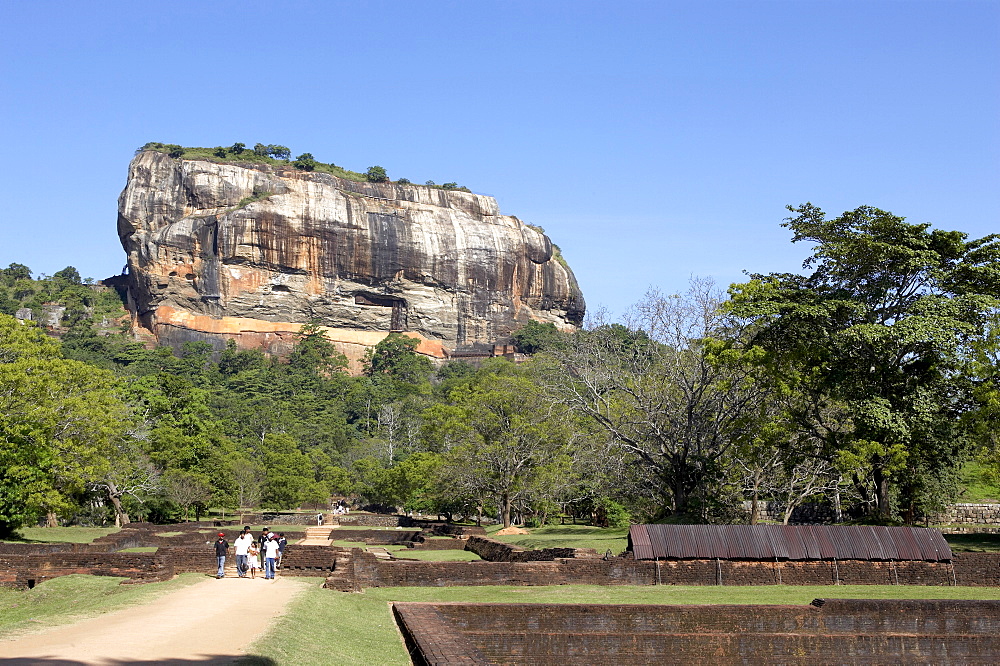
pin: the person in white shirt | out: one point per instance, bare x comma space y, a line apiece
270, 555
242, 546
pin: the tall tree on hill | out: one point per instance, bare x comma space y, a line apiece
874, 341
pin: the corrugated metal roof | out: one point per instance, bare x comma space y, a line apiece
787, 542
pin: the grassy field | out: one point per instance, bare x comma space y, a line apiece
432, 555
69, 598
325, 627
62, 534
601, 539
978, 484
974, 543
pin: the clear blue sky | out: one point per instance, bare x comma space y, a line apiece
652, 140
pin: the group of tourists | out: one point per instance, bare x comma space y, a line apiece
252, 554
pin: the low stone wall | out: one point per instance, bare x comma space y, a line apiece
823, 514
271, 519
373, 520
856, 631
498, 551
355, 569
969, 514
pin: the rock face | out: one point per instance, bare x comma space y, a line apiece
252, 251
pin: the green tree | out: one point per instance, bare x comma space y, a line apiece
279, 152
68, 275
535, 336
304, 162
57, 418
499, 437
376, 174
314, 353
874, 340
13, 273
394, 358
238, 148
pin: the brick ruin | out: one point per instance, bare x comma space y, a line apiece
354, 569
827, 631
904, 632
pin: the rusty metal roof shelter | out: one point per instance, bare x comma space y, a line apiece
787, 542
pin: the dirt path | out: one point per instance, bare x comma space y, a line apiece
211, 622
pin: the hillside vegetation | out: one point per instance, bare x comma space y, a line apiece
278, 155
870, 383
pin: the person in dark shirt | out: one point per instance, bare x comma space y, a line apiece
221, 548
282, 542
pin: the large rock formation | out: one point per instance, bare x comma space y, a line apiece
252, 251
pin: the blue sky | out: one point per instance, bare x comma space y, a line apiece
652, 140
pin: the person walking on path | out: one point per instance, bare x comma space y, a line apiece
262, 540
270, 555
253, 556
221, 548
242, 548
282, 542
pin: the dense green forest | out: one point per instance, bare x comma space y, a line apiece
868, 382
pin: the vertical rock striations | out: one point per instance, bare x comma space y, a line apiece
252, 251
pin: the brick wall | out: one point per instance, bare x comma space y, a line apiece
22, 571
355, 569
308, 560
856, 631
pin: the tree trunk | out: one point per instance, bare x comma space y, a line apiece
838, 515
754, 508
121, 516
505, 511
881, 492
51, 519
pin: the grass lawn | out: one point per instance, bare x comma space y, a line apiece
139, 549
62, 534
974, 543
977, 484
601, 539
433, 555
68, 598
325, 627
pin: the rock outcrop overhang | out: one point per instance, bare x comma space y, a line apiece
250, 252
